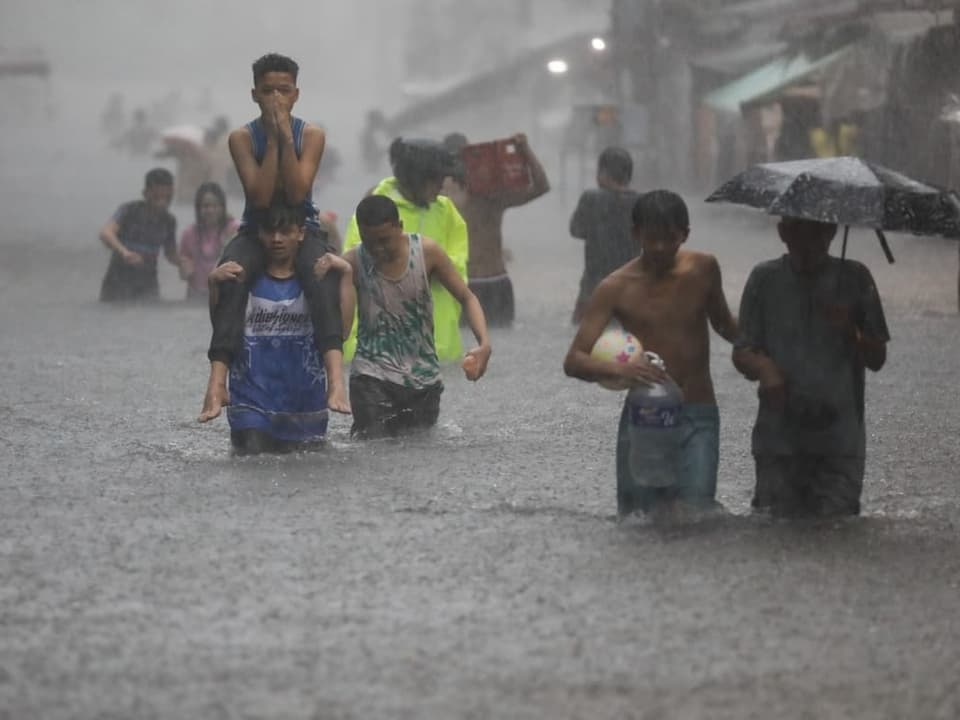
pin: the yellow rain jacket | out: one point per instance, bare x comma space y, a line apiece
442, 223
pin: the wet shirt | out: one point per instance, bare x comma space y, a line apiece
203, 247
603, 219
146, 231
782, 315
278, 383
395, 333
258, 137
442, 223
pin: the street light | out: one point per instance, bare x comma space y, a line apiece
598, 44
557, 67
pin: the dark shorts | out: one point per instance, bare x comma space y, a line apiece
809, 485
496, 298
255, 442
385, 409
129, 282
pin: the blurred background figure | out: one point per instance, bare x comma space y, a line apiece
374, 140
603, 220
483, 212
113, 118
137, 233
138, 137
202, 242
220, 164
184, 144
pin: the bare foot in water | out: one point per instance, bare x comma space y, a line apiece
217, 397
337, 400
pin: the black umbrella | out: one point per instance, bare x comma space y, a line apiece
846, 191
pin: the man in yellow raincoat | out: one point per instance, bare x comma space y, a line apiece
419, 168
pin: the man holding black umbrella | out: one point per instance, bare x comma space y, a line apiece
809, 326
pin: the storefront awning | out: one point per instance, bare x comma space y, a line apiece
768, 81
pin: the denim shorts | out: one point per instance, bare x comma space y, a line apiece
699, 461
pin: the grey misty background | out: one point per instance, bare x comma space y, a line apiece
472, 573
190, 61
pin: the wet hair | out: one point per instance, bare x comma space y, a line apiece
273, 62
805, 228
279, 216
376, 210
616, 164
416, 162
211, 188
158, 177
661, 209
455, 142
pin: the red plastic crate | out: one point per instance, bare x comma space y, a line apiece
492, 167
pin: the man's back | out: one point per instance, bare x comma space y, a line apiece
484, 218
603, 220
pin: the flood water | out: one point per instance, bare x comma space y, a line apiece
475, 571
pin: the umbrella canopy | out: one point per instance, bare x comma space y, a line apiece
847, 191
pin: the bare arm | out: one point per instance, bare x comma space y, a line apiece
539, 184
259, 180
721, 319
328, 223
109, 237
346, 266
873, 352
298, 174
187, 265
170, 247
229, 270
870, 350
579, 363
441, 268
757, 366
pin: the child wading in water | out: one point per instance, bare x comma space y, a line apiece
202, 242
279, 382
137, 233
276, 156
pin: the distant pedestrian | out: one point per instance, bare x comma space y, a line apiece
603, 221
137, 233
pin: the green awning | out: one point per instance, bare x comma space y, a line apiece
768, 80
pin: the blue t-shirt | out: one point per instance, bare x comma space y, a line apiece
278, 384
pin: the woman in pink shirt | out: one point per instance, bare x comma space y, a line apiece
202, 242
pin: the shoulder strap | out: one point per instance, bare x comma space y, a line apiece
258, 139
297, 125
